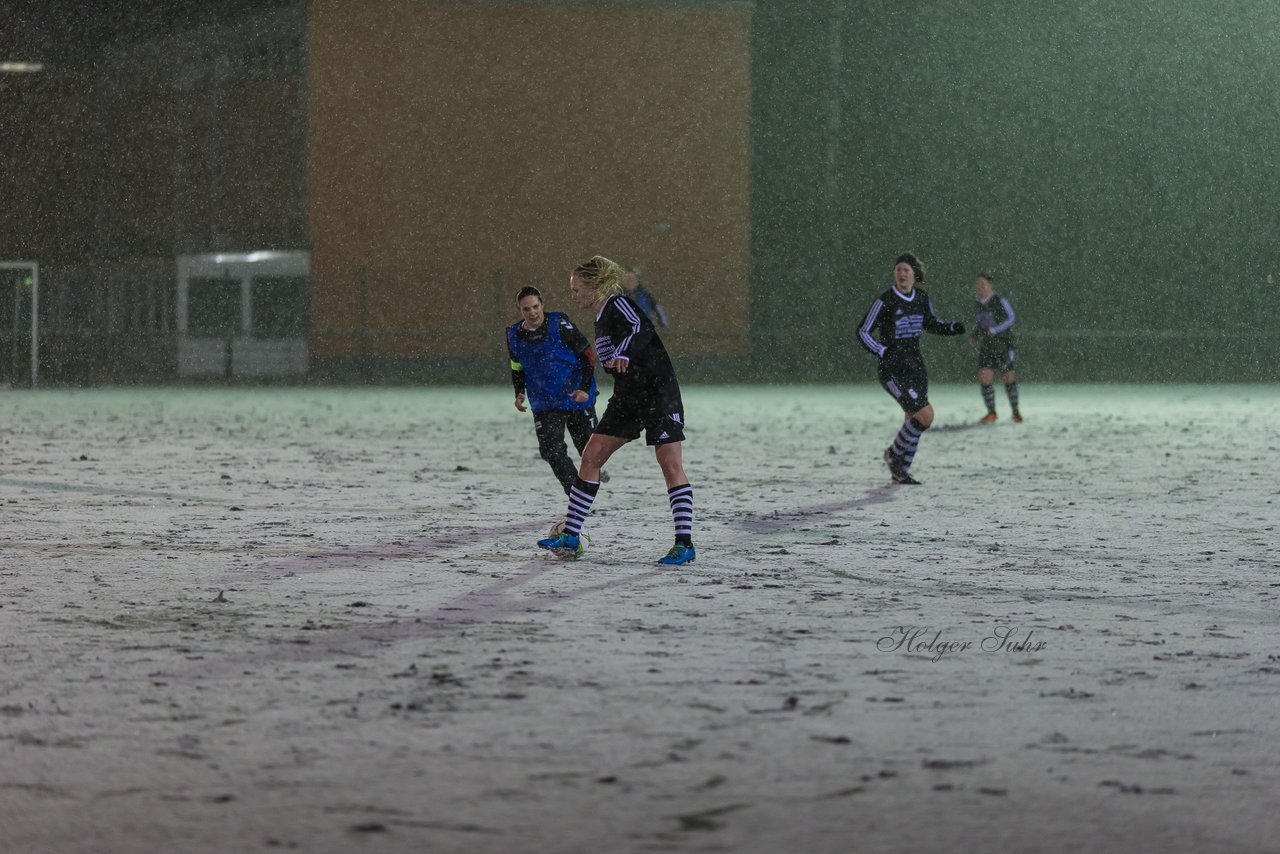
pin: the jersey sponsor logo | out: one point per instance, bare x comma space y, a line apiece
665, 435
911, 393
676, 417
604, 349
908, 326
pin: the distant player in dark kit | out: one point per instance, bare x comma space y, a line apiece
552, 369
633, 287
891, 331
646, 398
996, 352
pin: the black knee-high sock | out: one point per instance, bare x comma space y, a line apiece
681, 500
989, 396
581, 496
907, 441
1011, 389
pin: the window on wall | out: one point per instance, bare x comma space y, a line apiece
280, 306
213, 307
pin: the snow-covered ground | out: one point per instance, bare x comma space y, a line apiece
312, 619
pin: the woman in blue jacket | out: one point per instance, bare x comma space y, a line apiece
553, 371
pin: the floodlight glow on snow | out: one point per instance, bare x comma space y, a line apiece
21, 67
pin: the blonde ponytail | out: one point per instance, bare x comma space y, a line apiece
603, 276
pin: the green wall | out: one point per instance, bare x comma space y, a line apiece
1113, 163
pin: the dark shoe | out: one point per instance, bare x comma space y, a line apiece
896, 471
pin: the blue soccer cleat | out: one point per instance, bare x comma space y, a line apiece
679, 555
564, 544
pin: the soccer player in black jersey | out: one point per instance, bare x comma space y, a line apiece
994, 340
646, 398
891, 331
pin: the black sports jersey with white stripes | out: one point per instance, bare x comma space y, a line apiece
996, 316
624, 331
891, 330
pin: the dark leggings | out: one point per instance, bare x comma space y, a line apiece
550, 427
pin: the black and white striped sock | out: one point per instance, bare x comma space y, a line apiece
908, 439
989, 397
581, 496
1012, 390
681, 500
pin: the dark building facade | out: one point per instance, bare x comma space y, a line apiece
1110, 164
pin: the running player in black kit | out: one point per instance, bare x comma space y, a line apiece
996, 351
891, 331
646, 397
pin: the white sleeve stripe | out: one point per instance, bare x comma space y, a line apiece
864, 332
631, 317
1008, 321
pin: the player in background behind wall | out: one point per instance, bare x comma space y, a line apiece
634, 287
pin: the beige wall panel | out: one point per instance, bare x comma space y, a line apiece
458, 151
